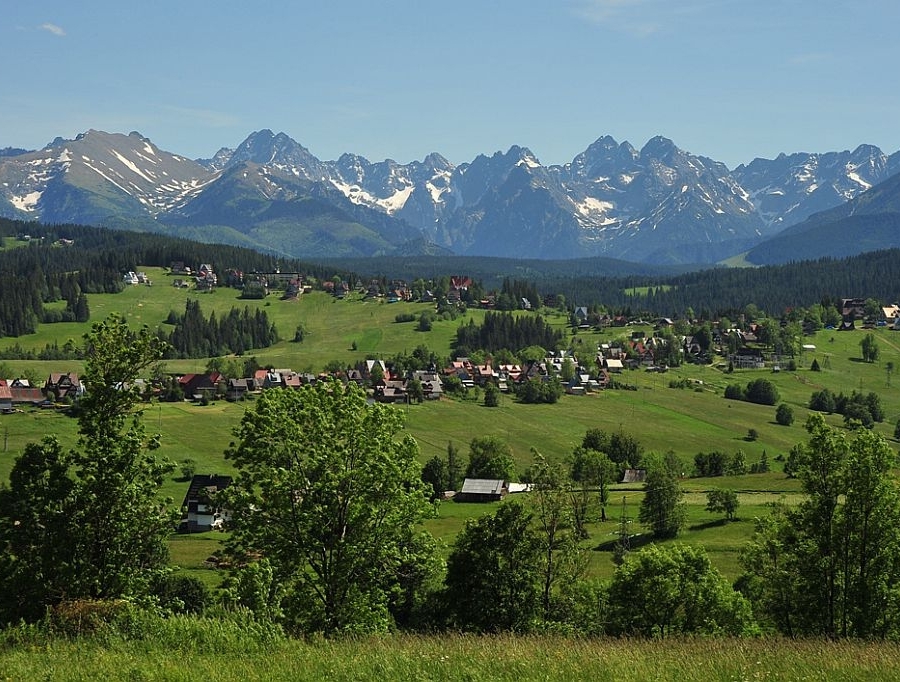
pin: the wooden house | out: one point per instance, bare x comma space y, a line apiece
199, 509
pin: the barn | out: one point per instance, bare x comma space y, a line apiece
482, 490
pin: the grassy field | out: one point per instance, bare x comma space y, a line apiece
217, 656
685, 421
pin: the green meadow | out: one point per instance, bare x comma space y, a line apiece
683, 420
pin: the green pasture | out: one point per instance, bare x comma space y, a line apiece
685, 421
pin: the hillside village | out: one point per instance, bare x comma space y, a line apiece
653, 346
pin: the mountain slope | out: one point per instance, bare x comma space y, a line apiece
659, 204
869, 222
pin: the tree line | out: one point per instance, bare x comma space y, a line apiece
197, 336
505, 331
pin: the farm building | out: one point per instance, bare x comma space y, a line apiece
482, 490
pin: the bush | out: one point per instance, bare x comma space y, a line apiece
734, 392
784, 415
761, 392
81, 617
188, 469
182, 593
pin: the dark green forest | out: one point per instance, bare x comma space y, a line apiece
69, 261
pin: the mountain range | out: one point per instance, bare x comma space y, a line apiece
658, 204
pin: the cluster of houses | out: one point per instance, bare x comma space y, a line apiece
59, 387
134, 278
203, 278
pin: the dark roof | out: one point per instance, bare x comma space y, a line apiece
207, 482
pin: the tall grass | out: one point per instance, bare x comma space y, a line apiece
204, 649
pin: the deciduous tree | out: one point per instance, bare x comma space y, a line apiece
831, 565
674, 590
328, 494
493, 572
662, 508
490, 457
89, 523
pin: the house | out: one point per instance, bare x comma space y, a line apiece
460, 282
291, 379
369, 366
237, 389
891, 313
482, 490
178, 267
195, 386
25, 395
180, 283
6, 403
747, 358
391, 391
484, 373
130, 278
853, 308
199, 511
432, 388
63, 385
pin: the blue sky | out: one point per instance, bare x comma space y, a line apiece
731, 80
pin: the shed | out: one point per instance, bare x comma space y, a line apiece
634, 476
482, 490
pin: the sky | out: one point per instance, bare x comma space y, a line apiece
727, 79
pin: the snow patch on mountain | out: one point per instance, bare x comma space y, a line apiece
26, 203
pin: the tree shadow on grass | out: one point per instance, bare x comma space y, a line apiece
634, 542
717, 523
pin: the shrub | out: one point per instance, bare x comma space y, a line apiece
734, 392
784, 415
762, 392
188, 469
182, 593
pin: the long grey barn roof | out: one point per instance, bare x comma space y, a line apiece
482, 485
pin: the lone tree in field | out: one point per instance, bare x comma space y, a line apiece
869, 347
662, 507
88, 523
329, 496
719, 501
784, 415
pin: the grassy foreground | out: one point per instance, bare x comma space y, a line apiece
456, 657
